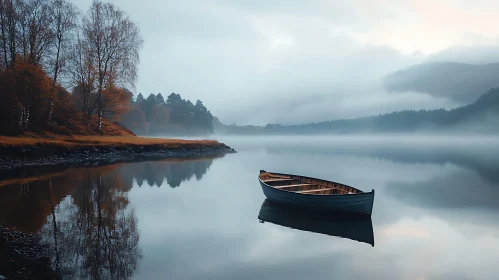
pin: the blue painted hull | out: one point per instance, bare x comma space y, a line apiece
359, 203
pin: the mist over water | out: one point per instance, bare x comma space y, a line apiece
414, 140
435, 213
387, 95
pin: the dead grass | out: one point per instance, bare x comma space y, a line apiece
101, 141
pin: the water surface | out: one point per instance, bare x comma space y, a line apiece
435, 214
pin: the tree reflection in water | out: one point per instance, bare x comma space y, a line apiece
84, 214
95, 235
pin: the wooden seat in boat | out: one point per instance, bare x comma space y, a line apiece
291, 186
314, 190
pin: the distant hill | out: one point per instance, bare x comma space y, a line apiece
460, 82
479, 116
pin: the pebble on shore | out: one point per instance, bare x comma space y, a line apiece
110, 155
23, 257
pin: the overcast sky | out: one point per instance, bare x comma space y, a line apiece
293, 61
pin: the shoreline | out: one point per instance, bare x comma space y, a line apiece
30, 152
22, 256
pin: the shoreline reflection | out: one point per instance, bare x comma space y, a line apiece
84, 216
26, 202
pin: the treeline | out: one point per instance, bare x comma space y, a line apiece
480, 116
233, 129
45, 44
156, 116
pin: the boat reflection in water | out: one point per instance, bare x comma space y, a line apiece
353, 227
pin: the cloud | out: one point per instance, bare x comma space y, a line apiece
255, 62
474, 54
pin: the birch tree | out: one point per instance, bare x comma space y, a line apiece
35, 34
83, 76
115, 41
64, 23
8, 32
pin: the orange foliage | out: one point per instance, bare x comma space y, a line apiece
25, 95
33, 89
25, 99
115, 102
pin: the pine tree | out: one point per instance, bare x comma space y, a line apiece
160, 98
139, 99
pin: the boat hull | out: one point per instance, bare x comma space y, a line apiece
360, 203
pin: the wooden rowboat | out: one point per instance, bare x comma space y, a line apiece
358, 228
315, 193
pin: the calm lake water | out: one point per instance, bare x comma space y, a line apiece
435, 215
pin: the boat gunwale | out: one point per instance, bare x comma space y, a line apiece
319, 195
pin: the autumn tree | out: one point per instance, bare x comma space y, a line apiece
35, 34
83, 75
85, 100
64, 24
115, 41
96, 54
115, 102
31, 86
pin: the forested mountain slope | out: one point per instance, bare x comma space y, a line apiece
460, 82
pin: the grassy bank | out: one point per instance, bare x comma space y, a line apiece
38, 150
101, 141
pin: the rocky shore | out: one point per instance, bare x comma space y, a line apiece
16, 157
23, 257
